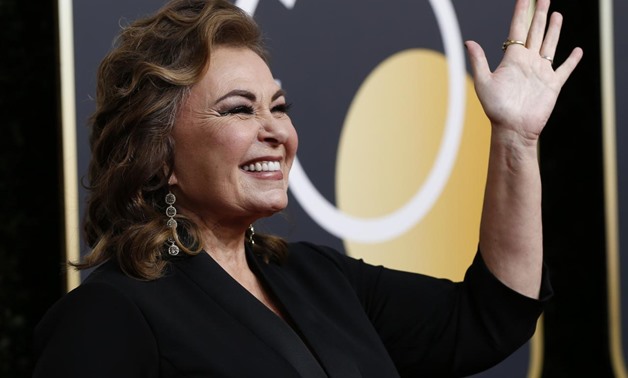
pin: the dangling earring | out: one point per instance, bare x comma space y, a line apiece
251, 234
171, 211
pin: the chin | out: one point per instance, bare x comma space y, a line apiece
278, 207
271, 207
277, 201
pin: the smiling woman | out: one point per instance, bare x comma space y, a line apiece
143, 91
233, 120
192, 143
234, 148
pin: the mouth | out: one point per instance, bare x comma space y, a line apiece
262, 166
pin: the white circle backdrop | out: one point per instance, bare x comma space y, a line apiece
380, 229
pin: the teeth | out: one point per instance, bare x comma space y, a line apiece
263, 166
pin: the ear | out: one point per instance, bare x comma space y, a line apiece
172, 180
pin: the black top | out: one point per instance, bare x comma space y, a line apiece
345, 319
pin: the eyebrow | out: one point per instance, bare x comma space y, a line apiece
249, 95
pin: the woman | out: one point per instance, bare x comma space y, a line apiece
192, 143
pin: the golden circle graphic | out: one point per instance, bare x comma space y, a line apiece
389, 143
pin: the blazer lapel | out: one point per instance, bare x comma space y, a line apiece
314, 327
250, 312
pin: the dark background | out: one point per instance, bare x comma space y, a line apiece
30, 208
31, 245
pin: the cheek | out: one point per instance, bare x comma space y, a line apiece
232, 144
293, 143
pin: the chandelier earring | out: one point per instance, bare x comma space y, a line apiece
171, 211
251, 234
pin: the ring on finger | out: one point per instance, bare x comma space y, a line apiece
509, 42
548, 58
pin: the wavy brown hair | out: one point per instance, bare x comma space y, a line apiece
141, 85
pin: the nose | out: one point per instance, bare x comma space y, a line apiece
275, 129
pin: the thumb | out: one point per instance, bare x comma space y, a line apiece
479, 64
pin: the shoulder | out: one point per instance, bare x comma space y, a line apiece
93, 321
108, 286
326, 262
97, 301
97, 316
316, 256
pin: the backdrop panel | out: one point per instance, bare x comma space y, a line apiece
620, 50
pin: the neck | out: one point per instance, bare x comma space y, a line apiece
225, 245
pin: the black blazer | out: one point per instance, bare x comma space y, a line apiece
345, 319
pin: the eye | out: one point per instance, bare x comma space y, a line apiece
240, 109
282, 108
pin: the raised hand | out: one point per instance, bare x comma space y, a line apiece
521, 93
518, 98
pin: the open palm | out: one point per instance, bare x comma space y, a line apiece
521, 93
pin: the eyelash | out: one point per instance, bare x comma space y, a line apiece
283, 108
245, 109
240, 109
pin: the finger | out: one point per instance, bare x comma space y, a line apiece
565, 69
548, 49
537, 27
519, 24
478, 61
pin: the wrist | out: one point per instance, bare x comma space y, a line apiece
513, 152
523, 145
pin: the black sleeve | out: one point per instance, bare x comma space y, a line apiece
435, 327
95, 331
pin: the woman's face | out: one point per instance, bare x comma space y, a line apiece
234, 142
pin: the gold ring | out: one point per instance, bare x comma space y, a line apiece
549, 58
509, 42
